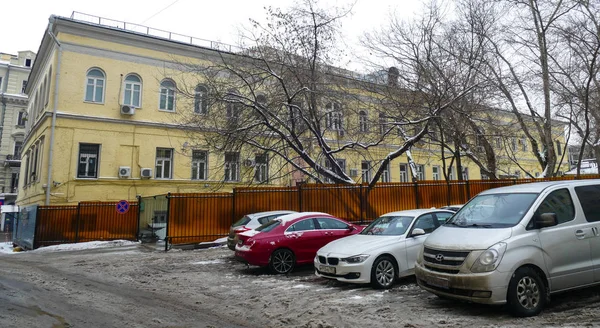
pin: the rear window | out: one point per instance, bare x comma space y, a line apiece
269, 226
241, 221
589, 197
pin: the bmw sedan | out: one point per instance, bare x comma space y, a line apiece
291, 240
384, 251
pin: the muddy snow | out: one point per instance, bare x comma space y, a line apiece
136, 285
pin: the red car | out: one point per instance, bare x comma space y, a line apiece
291, 239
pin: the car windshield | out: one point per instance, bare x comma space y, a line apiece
388, 226
269, 226
241, 221
493, 211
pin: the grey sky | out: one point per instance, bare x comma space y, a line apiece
23, 24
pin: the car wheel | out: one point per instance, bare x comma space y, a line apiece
282, 261
383, 273
526, 293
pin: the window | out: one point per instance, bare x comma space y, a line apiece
164, 163
167, 95
21, 119
304, 225
24, 86
34, 163
420, 172
132, 96
334, 116
523, 142
484, 176
498, 142
342, 168
443, 217
1, 84
14, 182
261, 168
27, 168
465, 173
426, 222
232, 166
201, 100
513, 144
403, 173
17, 150
436, 172
558, 148
385, 175
451, 173
588, 197
28, 62
47, 95
94, 89
234, 108
88, 160
366, 171
331, 224
199, 164
382, 123
560, 202
362, 121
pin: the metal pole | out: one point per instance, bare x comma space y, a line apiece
139, 209
416, 194
233, 206
167, 228
78, 222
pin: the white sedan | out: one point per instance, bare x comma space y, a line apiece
384, 251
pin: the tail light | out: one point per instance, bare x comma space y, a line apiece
241, 229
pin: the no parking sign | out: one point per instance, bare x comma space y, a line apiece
122, 207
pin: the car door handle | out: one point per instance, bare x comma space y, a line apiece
579, 233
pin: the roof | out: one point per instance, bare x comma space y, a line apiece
536, 187
290, 217
416, 212
268, 213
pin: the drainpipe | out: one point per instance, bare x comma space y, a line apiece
3, 87
53, 127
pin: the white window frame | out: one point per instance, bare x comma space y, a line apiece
130, 85
366, 173
88, 156
201, 100
95, 85
167, 92
334, 116
385, 175
199, 165
363, 121
14, 153
21, 118
160, 164
436, 169
23, 86
232, 167
420, 172
261, 170
403, 172
465, 173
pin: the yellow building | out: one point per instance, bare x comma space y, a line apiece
14, 72
104, 122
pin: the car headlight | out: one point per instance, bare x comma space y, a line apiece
489, 259
420, 254
355, 259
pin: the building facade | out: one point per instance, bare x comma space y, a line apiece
14, 72
104, 123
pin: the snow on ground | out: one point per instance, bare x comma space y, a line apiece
6, 248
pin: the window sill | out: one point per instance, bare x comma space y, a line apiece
86, 178
93, 102
166, 110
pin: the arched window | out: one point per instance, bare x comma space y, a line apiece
167, 95
334, 116
132, 95
201, 100
94, 89
362, 121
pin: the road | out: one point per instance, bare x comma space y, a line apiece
138, 286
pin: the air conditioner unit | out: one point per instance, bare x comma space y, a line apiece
353, 173
127, 110
146, 173
124, 171
249, 162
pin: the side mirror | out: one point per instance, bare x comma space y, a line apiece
546, 220
417, 232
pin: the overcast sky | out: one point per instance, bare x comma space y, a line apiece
22, 24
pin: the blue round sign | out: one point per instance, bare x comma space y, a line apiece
122, 207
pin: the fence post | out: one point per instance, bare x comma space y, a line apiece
362, 204
35, 229
78, 222
299, 185
167, 228
468, 190
137, 229
416, 194
449, 193
233, 206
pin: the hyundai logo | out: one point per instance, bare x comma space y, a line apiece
439, 257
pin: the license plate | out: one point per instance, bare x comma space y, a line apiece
438, 282
327, 269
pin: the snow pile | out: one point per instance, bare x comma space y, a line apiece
209, 262
6, 248
87, 245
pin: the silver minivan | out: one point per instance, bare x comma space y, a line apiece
516, 245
